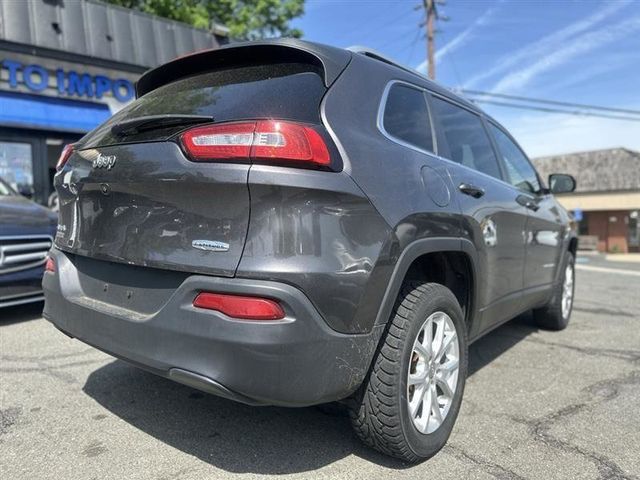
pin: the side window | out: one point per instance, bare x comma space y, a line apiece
468, 142
406, 116
521, 173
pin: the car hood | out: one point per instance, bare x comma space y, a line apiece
21, 216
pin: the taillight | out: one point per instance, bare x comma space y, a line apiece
230, 141
50, 266
241, 307
269, 141
64, 156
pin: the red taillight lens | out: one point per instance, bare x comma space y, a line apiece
50, 266
289, 141
64, 156
236, 306
266, 141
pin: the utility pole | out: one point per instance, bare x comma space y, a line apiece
430, 7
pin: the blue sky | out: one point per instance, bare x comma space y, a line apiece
577, 51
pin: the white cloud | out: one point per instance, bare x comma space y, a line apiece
579, 76
552, 134
547, 44
577, 46
462, 38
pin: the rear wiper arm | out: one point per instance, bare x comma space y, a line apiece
150, 122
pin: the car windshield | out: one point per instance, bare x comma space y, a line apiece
5, 190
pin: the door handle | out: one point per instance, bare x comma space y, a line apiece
527, 202
471, 190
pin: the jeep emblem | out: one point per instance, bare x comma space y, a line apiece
104, 161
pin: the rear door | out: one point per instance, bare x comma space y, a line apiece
545, 222
492, 218
133, 196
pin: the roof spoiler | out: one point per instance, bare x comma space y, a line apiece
331, 60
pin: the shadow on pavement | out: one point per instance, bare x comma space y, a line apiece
494, 344
242, 439
21, 313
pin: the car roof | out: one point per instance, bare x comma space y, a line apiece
332, 60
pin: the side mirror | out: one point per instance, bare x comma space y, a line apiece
561, 183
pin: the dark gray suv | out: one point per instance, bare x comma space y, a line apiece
285, 223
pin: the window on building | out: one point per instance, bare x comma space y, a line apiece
406, 117
583, 224
16, 166
466, 137
520, 172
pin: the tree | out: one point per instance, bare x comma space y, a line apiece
245, 19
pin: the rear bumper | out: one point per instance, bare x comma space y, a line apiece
297, 361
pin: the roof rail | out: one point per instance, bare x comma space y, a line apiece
371, 53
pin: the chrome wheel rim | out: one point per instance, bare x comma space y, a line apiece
567, 291
432, 378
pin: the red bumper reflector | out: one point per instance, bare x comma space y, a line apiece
50, 266
236, 306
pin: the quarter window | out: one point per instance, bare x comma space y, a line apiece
406, 117
468, 142
520, 172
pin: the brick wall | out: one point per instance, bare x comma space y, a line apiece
612, 235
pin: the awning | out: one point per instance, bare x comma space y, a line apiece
50, 113
601, 201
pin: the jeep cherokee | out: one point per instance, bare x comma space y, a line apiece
286, 223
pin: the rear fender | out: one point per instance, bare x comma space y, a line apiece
415, 250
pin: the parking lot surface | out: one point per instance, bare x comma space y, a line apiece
538, 405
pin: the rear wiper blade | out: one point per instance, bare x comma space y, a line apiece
150, 122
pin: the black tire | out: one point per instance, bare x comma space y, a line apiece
550, 316
379, 411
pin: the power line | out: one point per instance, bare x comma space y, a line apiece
413, 44
394, 39
549, 102
555, 110
375, 29
455, 68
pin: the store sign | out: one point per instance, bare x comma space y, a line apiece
37, 78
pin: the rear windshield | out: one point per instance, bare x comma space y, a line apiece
287, 91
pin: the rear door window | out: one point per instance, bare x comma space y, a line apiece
520, 172
406, 117
287, 91
466, 137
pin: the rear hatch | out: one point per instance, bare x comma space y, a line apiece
131, 192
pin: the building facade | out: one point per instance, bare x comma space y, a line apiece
65, 67
606, 203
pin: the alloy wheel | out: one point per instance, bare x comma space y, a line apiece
433, 372
567, 291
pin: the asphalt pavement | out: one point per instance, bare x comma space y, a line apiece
538, 405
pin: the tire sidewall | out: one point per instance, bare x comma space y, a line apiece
426, 445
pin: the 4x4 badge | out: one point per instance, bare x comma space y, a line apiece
104, 161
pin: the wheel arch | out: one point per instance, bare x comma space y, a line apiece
433, 250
